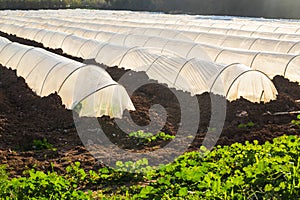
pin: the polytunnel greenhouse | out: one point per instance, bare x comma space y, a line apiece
87, 47
198, 28
46, 73
192, 75
222, 40
146, 18
136, 44
176, 24
186, 20
279, 26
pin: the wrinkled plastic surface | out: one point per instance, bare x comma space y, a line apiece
77, 84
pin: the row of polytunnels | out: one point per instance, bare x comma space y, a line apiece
196, 57
218, 39
185, 21
88, 88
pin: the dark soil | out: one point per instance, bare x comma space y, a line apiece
25, 117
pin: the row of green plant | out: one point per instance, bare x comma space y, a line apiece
239, 171
142, 137
250, 171
296, 122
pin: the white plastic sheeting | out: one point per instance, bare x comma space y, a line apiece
192, 75
277, 26
195, 76
280, 26
222, 40
271, 64
87, 86
201, 27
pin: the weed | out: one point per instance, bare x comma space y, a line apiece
247, 125
143, 137
42, 144
296, 122
239, 171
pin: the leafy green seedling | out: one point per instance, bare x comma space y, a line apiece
42, 144
150, 137
296, 121
247, 125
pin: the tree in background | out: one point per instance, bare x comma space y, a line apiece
50, 4
145, 5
